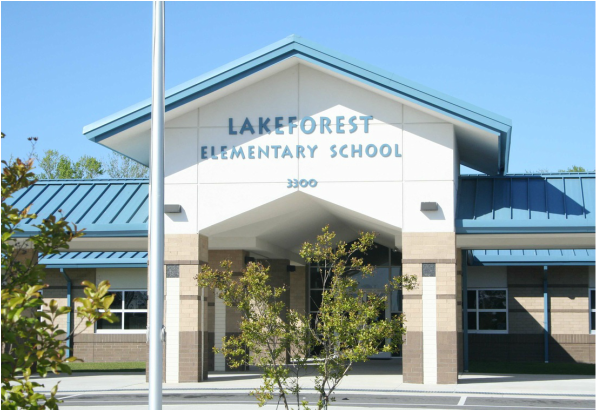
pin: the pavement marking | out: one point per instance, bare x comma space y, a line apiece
382, 404
70, 396
462, 400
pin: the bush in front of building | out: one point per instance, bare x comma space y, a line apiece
345, 330
31, 339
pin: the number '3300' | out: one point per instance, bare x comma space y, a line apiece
295, 183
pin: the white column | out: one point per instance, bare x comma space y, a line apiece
173, 329
219, 331
429, 329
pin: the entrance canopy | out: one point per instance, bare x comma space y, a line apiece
483, 137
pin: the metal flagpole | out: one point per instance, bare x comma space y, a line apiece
156, 213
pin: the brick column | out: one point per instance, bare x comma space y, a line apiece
185, 316
430, 352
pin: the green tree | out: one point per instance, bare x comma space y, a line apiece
573, 169
60, 166
31, 338
119, 166
346, 329
269, 332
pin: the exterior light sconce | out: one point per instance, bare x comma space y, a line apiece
429, 206
172, 208
249, 260
291, 268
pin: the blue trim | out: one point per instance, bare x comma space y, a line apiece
295, 46
578, 257
464, 289
69, 315
546, 317
99, 259
522, 227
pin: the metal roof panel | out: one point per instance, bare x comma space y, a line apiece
103, 207
550, 203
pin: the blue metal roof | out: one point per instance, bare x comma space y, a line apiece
86, 259
103, 207
296, 46
531, 257
549, 203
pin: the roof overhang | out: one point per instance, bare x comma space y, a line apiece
483, 137
109, 259
551, 257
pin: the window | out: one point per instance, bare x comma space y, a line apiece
592, 311
487, 311
131, 309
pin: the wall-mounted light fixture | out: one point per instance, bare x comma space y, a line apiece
429, 206
172, 208
249, 260
291, 268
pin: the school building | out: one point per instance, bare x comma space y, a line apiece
263, 152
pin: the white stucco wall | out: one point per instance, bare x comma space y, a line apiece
386, 189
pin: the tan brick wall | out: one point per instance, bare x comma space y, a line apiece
437, 248
428, 247
111, 347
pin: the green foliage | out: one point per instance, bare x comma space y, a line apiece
31, 339
573, 169
346, 329
269, 333
118, 166
60, 166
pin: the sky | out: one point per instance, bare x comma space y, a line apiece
67, 64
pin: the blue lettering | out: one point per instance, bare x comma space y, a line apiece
397, 151
291, 125
278, 125
276, 148
353, 124
368, 153
247, 127
231, 127
287, 152
237, 152
251, 152
224, 154
388, 153
339, 127
341, 151
313, 125
312, 150
203, 152
359, 150
300, 150
333, 152
263, 126
325, 121
213, 156
264, 152
366, 118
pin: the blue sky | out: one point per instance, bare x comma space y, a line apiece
68, 64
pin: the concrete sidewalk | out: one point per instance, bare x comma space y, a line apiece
365, 378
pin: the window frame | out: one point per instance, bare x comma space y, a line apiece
123, 311
591, 310
478, 310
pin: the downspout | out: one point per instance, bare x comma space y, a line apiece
546, 316
69, 315
464, 302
